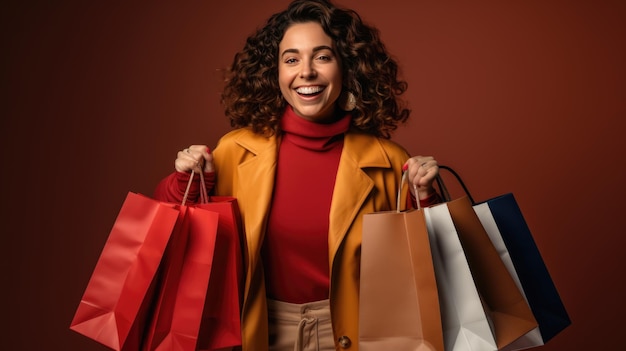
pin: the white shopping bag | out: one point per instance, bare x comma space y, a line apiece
466, 326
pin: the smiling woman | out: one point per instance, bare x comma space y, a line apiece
521, 96
309, 72
313, 97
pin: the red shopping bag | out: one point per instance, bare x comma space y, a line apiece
178, 313
221, 321
199, 304
118, 295
167, 281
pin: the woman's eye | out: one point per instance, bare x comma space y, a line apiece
324, 58
291, 60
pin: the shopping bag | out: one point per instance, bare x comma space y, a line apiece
466, 325
534, 276
502, 218
178, 315
117, 298
199, 306
398, 303
221, 319
532, 338
168, 279
508, 311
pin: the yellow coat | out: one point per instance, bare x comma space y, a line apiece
367, 181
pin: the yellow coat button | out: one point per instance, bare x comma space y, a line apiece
344, 342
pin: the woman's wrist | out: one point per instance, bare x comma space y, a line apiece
431, 199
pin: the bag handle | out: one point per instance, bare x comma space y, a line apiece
444, 190
204, 197
402, 180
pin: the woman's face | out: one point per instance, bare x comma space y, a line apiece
309, 72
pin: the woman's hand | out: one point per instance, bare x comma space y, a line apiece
422, 171
195, 157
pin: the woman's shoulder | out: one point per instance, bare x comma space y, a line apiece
236, 134
244, 139
241, 135
389, 146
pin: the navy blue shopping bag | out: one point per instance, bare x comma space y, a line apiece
541, 293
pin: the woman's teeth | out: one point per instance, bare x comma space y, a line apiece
309, 90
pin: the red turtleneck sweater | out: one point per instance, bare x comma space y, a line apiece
295, 252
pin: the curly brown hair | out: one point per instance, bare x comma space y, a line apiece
252, 96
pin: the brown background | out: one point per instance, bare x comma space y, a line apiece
519, 96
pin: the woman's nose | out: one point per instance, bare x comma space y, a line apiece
308, 71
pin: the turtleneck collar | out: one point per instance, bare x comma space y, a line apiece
311, 135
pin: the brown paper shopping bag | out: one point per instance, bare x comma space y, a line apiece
398, 303
506, 306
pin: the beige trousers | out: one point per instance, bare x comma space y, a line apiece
300, 327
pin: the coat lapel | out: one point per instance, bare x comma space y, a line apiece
256, 185
353, 185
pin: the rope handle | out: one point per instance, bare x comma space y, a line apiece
204, 197
444, 190
402, 180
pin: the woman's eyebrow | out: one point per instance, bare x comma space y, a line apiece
315, 49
